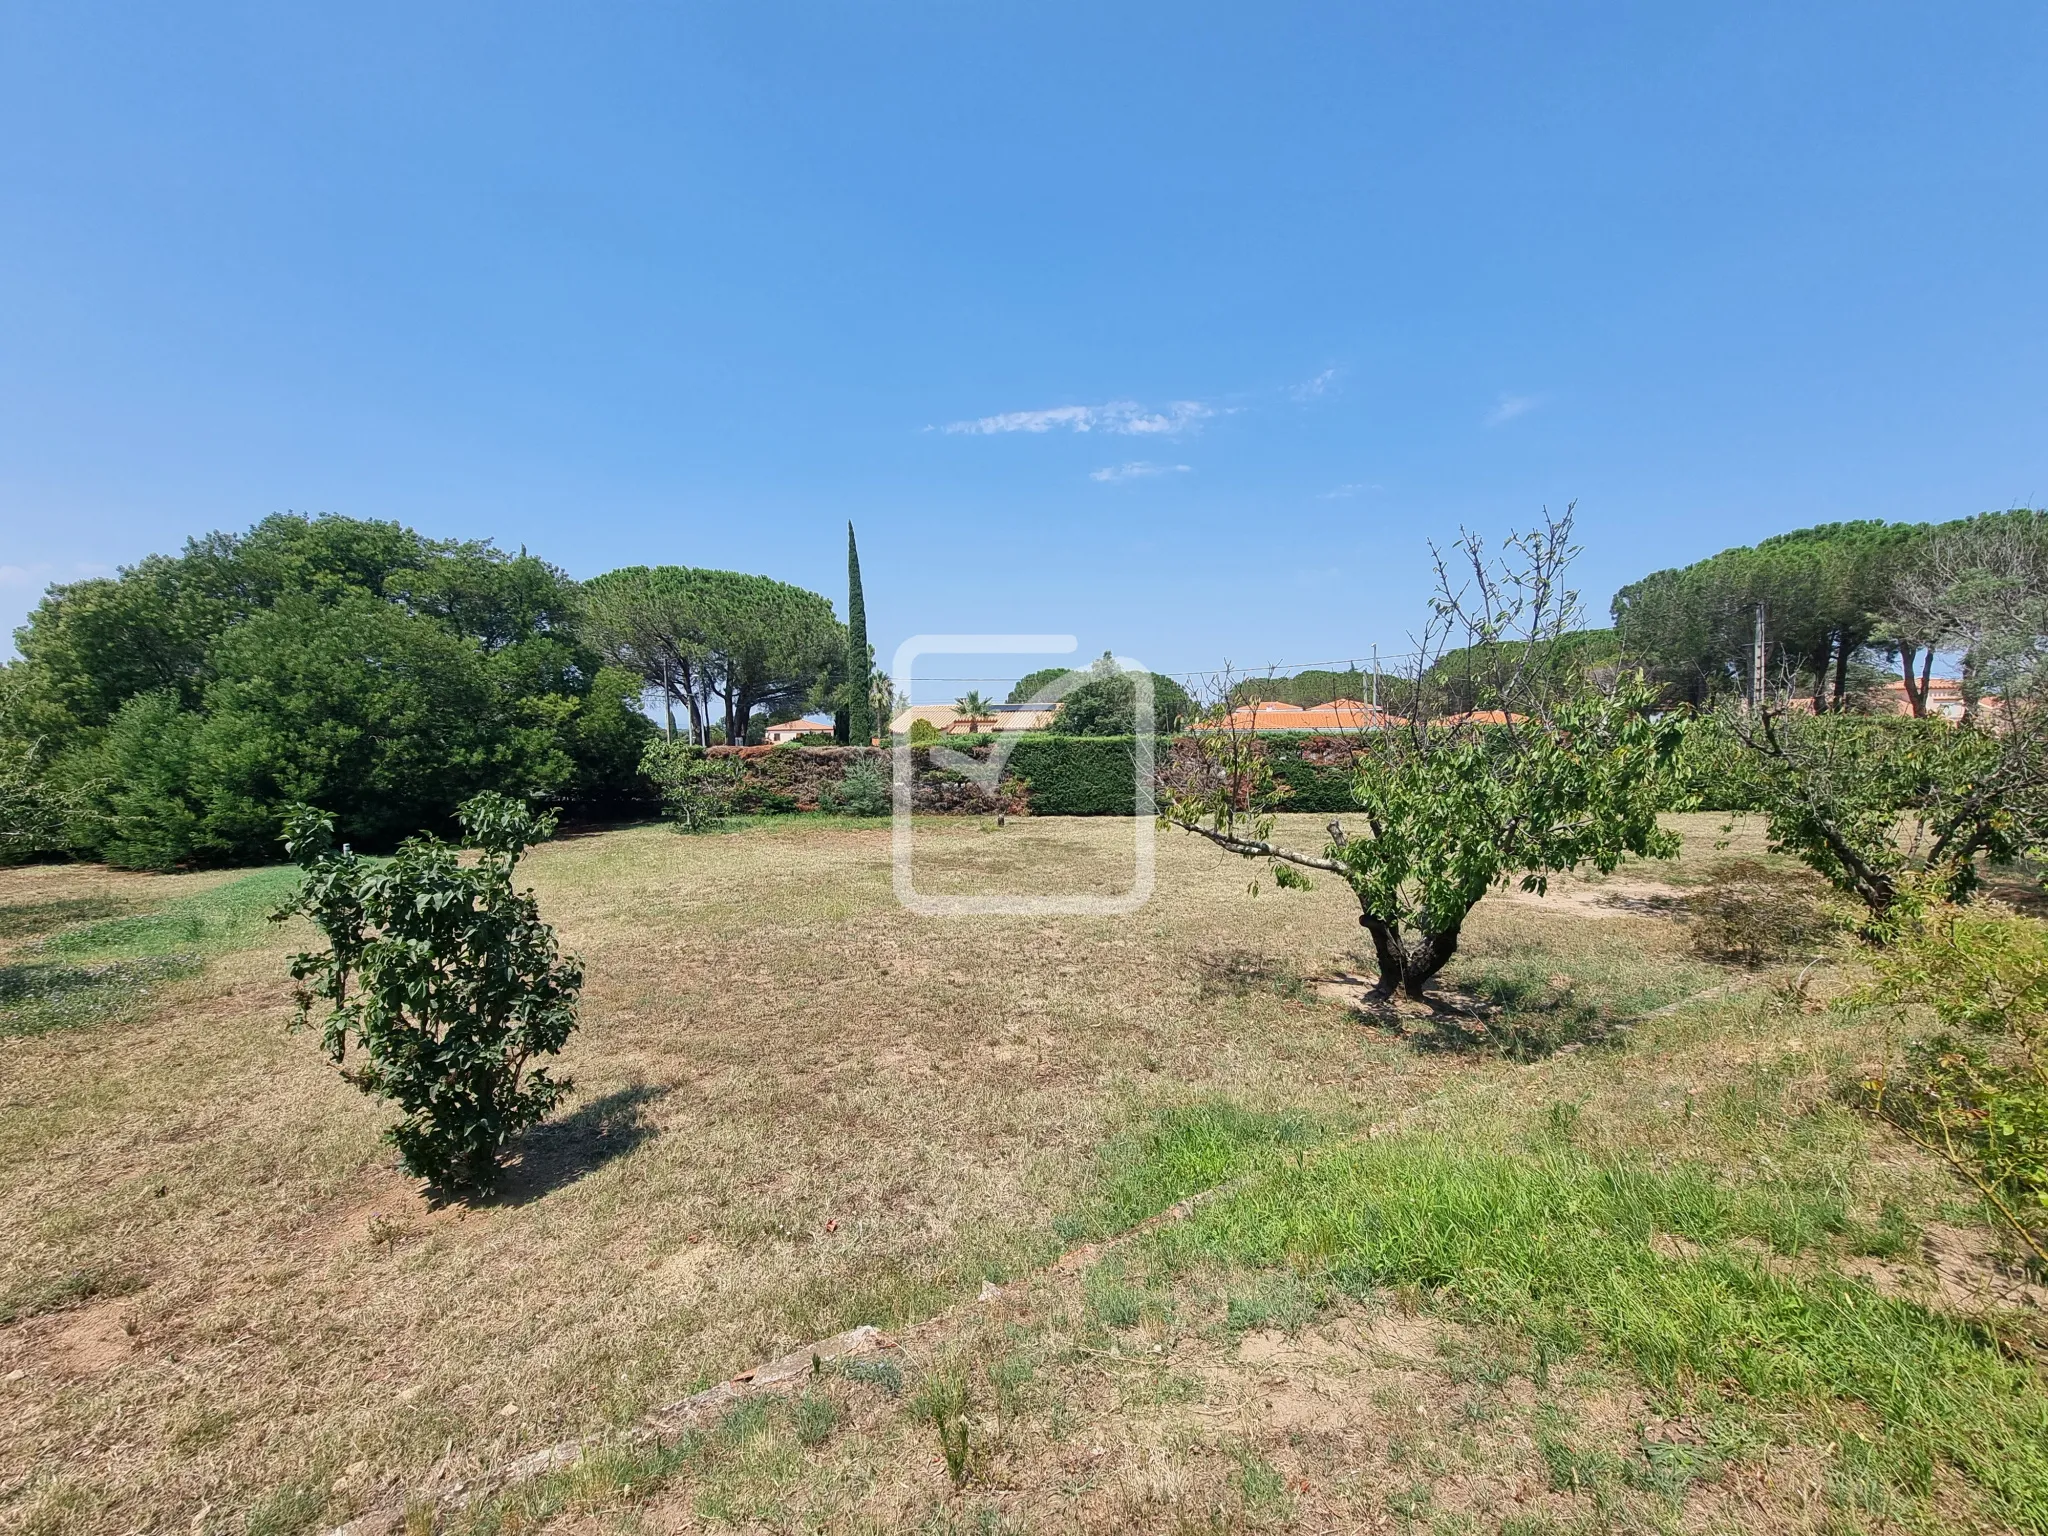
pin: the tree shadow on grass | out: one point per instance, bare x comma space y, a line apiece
1488, 1015
26, 920
39, 996
557, 1153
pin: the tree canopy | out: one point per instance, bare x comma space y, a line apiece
1824, 593
182, 704
1107, 703
717, 640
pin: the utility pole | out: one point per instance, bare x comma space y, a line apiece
1375, 685
1756, 665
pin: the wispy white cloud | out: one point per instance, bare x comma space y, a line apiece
1319, 385
1510, 407
1125, 418
1137, 470
1345, 492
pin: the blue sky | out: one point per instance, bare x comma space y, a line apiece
1182, 328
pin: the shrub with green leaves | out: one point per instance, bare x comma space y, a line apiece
445, 978
1975, 1092
697, 791
864, 790
1899, 817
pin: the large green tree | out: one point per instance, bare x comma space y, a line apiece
1978, 588
721, 641
1823, 594
178, 705
1106, 704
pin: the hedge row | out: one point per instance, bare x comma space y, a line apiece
1057, 775
1095, 775
1077, 775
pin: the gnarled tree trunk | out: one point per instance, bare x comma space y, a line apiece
1407, 963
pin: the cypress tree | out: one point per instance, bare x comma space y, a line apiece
860, 661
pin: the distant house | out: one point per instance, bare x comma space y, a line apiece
948, 721
1944, 699
1341, 715
796, 730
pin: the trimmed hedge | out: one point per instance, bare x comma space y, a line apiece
1045, 775
1078, 775
1310, 786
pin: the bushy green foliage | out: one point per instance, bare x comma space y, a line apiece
1975, 1091
1077, 775
445, 978
140, 780
1572, 775
697, 791
181, 706
724, 643
35, 811
863, 790
1823, 589
1107, 703
1897, 813
1452, 814
1031, 684
1465, 678
1317, 686
1309, 787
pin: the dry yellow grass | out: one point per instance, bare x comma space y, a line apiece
798, 1108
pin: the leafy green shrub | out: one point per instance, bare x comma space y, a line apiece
1897, 813
1107, 704
923, 733
1309, 786
1976, 1092
864, 790
445, 977
1712, 770
697, 791
138, 803
1752, 914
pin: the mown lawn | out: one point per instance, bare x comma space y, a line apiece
1657, 1279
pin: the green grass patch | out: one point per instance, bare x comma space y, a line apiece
231, 916
107, 970
1178, 1151
1559, 1243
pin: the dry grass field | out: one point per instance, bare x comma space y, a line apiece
800, 1108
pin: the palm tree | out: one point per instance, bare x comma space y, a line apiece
973, 708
